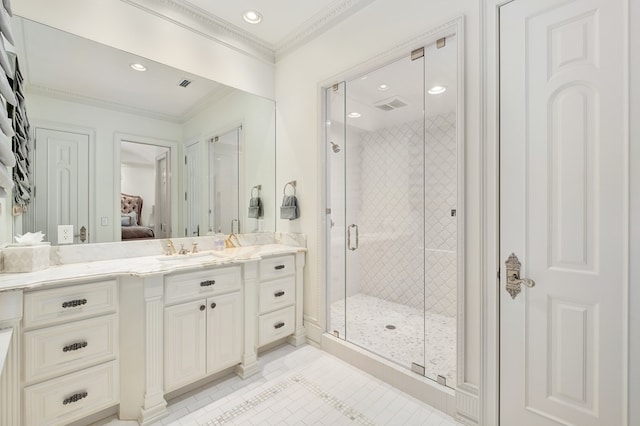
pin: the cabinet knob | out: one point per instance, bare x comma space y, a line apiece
207, 283
202, 307
213, 305
278, 267
279, 293
278, 325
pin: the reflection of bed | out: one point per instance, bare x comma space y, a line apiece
131, 214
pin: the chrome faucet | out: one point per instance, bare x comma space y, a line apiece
170, 249
183, 250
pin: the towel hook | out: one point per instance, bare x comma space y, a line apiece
292, 184
258, 188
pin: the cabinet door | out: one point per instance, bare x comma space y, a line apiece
224, 331
184, 343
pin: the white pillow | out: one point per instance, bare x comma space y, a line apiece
129, 219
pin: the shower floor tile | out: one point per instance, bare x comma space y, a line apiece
399, 333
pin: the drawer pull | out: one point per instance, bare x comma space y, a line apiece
279, 293
213, 305
75, 347
202, 307
75, 398
207, 283
278, 325
74, 303
278, 267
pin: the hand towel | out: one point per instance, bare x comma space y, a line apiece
6, 154
289, 209
6, 181
255, 207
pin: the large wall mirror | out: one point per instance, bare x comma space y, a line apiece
131, 154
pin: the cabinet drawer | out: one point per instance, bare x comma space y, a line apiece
277, 294
47, 307
276, 267
276, 325
191, 285
71, 397
61, 349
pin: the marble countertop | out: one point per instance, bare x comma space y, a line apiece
141, 266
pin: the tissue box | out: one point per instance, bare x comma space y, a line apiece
18, 258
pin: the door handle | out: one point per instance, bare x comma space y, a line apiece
512, 266
357, 242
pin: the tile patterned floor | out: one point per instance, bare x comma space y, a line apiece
299, 386
416, 336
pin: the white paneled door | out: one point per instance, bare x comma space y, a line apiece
62, 183
563, 198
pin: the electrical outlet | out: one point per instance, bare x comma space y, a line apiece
65, 234
104, 221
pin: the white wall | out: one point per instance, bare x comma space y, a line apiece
374, 30
103, 124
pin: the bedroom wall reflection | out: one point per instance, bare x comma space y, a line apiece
76, 86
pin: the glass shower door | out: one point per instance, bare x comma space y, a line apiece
392, 224
384, 211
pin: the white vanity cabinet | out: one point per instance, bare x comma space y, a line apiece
276, 298
203, 325
122, 336
70, 352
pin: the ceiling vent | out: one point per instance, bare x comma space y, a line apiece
184, 83
391, 104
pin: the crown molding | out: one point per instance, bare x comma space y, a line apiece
194, 19
190, 17
321, 22
216, 95
88, 100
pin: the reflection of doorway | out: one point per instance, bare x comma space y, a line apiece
163, 195
145, 173
62, 177
192, 189
225, 155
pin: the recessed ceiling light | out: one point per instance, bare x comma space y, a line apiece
383, 87
138, 67
252, 16
436, 90
354, 115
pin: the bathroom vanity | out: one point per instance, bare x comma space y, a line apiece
118, 335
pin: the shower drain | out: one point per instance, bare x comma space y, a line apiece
390, 327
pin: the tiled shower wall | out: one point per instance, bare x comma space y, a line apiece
404, 234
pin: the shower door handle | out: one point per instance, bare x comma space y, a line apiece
357, 243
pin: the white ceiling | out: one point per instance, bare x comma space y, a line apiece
282, 19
